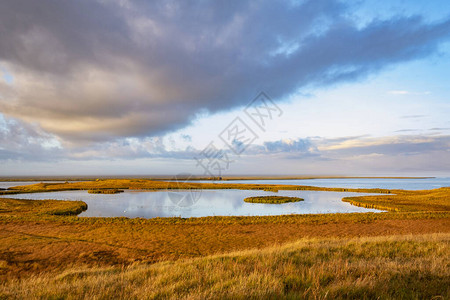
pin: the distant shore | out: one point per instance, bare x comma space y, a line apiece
195, 178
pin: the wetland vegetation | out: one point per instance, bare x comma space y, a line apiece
272, 199
105, 191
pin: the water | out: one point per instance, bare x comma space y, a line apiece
230, 202
198, 203
383, 183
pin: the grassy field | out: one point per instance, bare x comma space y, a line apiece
47, 251
411, 267
33, 208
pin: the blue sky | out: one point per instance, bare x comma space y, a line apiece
361, 88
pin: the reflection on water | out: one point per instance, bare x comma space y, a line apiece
148, 204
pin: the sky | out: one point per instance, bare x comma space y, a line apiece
217, 88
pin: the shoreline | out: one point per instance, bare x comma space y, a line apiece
194, 178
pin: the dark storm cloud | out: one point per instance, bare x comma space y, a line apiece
99, 70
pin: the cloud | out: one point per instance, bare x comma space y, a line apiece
406, 130
319, 147
413, 116
395, 145
6, 76
399, 92
19, 140
439, 129
186, 137
289, 146
346, 155
103, 70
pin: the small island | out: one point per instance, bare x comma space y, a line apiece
272, 199
105, 191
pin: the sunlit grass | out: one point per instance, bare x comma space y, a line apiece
105, 191
426, 200
161, 185
411, 267
39, 208
272, 199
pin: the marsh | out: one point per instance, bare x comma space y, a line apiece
201, 203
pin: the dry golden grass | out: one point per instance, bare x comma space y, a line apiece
427, 200
411, 267
158, 185
33, 208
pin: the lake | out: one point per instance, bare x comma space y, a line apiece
186, 204
383, 183
198, 203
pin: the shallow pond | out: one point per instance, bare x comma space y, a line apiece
201, 203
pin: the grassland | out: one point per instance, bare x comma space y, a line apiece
411, 267
33, 208
140, 184
46, 251
272, 199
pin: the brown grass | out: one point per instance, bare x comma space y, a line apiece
428, 200
27, 208
162, 185
411, 267
35, 243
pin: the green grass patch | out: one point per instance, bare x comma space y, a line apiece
105, 191
272, 199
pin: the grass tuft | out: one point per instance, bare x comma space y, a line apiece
105, 191
272, 199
